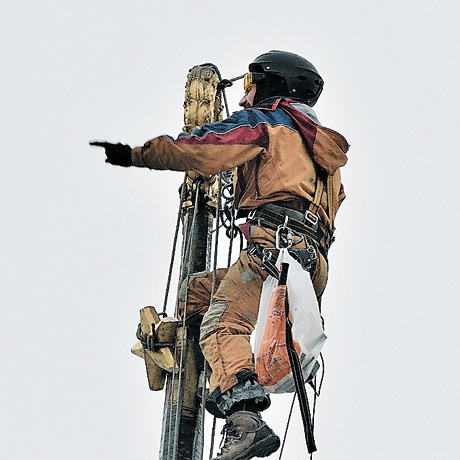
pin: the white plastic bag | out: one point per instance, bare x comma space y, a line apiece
307, 327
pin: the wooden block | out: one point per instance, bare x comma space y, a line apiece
161, 360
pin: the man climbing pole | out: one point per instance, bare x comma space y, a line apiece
287, 165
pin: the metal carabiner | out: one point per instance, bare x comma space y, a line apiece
284, 236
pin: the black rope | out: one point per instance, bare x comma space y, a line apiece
213, 288
213, 435
297, 370
170, 383
187, 257
173, 252
287, 426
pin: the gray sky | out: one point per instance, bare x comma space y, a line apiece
85, 245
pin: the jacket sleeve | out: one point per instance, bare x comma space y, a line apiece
213, 148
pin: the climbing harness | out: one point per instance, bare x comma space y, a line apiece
306, 257
271, 216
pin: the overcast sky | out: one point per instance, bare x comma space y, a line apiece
85, 245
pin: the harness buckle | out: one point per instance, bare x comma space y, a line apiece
269, 261
311, 218
252, 214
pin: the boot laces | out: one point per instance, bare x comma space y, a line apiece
230, 435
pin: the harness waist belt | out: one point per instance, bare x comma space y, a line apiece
304, 223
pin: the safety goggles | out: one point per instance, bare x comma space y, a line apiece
250, 79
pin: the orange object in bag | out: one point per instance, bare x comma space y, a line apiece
272, 362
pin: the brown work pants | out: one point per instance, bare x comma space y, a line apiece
232, 316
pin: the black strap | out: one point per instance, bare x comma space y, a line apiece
297, 370
271, 219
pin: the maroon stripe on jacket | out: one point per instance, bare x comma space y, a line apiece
243, 135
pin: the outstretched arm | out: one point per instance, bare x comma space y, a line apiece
213, 148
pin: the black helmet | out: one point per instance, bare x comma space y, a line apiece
286, 74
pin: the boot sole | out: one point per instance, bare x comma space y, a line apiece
263, 448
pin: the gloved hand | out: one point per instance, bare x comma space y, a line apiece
117, 154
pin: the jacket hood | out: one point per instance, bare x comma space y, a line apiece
327, 147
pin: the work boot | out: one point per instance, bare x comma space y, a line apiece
246, 436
